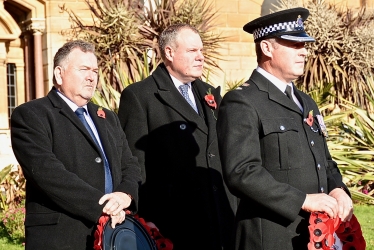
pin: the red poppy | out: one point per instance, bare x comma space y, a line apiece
99, 232
209, 98
101, 113
322, 229
161, 242
309, 119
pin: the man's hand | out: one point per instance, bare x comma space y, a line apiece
117, 201
321, 203
345, 204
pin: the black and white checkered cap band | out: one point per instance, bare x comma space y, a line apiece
275, 28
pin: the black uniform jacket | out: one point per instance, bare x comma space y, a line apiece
271, 159
183, 192
65, 171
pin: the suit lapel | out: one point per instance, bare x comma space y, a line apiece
101, 127
210, 114
171, 96
66, 111
274, 93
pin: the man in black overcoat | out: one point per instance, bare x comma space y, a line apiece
183, 192
273, 145
71, 179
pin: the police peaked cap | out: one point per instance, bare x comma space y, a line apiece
286, 24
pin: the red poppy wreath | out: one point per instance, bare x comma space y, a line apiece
333, 234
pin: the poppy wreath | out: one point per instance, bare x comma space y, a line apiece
322, 229
162, 243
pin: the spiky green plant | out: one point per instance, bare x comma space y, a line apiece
123, 30
351, 142
343, 53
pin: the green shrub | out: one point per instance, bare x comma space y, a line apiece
12, 206
13, 222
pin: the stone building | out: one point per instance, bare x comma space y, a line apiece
30, 34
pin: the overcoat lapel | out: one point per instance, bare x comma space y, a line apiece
274, 93
100, 124
210, 114
66, 111
170, 95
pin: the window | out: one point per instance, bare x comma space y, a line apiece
11, 84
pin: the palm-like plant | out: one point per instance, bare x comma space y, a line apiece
351, 143
343, 53
124, 30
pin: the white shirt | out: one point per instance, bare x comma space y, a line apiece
178, 83
87, 116
279, 84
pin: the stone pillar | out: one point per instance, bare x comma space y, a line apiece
37, 27
29, 89
38, 59
4, 123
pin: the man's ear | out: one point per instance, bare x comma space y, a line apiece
59, 73
267, 48
169, 53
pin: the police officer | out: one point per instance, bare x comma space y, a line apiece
272, 143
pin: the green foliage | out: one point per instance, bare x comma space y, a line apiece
343, 53
124, 30
364, 215
109, 97
12, 211
351, 142
13, 222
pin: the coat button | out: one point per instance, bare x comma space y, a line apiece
215, 188
183, 126
282, 127
322, 190
98, 160
319, 166
312, 143
211, 155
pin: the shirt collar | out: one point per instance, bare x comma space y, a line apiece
70, 103
278, 83
178, 83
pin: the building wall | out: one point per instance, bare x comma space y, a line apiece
239, 50
44, 18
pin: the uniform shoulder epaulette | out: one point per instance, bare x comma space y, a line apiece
246, 84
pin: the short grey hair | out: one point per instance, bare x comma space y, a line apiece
169, 35
63, 53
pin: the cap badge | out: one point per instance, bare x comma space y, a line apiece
299, 22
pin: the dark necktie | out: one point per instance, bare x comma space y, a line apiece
108, 176
289, 92
184, 90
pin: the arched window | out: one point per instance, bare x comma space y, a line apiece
11, 85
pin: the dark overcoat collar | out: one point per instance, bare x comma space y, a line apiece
171, 97
278, 96
100, 123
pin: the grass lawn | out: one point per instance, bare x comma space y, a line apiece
364, 214
6, 244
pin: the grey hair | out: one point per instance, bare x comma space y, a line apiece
169, 35
63, 53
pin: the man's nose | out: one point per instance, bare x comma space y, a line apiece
200, 56
91, 75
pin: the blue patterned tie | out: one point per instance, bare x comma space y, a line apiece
108, 176
184, 90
